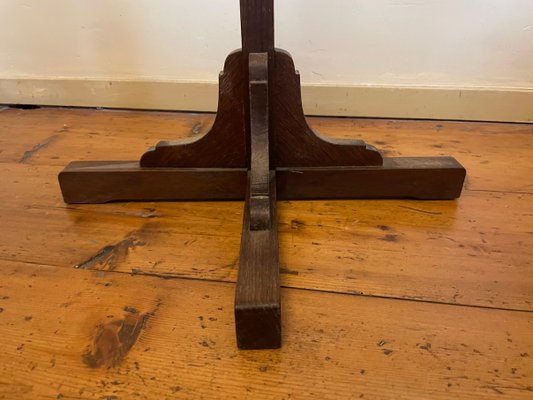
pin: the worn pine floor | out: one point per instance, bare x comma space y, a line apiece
382, 299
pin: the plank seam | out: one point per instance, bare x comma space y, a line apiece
189, 278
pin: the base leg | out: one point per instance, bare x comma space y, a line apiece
424, 178
257, 296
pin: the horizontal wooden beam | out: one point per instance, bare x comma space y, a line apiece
106, 181
257, 26
410, 177
425, 178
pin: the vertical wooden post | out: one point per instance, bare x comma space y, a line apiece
257, 296
257, 26
257, 31
260, 218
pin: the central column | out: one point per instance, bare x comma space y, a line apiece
257, 26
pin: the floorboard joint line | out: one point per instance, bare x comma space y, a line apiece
209, 280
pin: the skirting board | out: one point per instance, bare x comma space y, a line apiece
474, 104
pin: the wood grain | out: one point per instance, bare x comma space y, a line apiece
257, 26
423, 178
228, 130
475, 251
295, 144
257, 293
363, 279
100, 335
483, 148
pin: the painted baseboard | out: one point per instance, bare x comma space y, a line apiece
476, 104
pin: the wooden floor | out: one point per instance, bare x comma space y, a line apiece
382, 299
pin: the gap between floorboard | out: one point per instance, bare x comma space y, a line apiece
360, 294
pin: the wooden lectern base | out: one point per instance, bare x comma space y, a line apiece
259, 149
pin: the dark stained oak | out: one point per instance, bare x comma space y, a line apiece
473, 251
295, 143
228, 131
257, 295
428, 178
85, 182
259, 185
260, 144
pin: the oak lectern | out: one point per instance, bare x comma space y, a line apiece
260, 149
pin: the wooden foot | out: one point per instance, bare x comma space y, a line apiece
108, 181
416, 178
257, 295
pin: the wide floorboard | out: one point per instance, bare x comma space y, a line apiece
382, 299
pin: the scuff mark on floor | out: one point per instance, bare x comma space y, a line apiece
39, 146
113, 341
421, 211
196, 129
111, 256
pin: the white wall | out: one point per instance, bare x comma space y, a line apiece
457, 43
